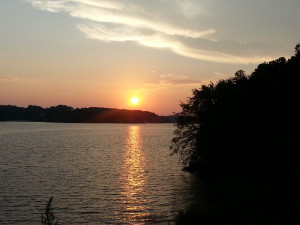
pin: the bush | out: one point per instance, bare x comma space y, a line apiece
48, 218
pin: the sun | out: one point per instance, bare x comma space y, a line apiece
134, 100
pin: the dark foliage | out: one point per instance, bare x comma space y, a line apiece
241, 136
48, 218
67, 114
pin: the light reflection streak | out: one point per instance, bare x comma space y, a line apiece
134, 179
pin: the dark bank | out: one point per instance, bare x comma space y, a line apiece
240, 135
67, 114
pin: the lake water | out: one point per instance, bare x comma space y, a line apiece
96, 173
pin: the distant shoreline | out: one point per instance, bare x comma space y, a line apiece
28, 121
67, 114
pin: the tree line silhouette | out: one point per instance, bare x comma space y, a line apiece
67, 114
241, 135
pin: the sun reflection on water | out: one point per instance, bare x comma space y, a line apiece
134, 179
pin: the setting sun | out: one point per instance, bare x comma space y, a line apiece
134, 100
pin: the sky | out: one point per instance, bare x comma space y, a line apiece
98, 53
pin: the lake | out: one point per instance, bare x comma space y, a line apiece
96, 173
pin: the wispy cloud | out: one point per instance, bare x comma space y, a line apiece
157, 24
8, 78
169, 80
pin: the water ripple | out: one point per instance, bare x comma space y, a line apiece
97, 173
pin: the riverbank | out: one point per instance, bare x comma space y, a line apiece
67, 114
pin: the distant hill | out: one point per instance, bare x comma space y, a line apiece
67, 114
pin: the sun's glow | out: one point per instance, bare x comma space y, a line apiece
134, 100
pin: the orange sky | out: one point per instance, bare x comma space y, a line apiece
89, 53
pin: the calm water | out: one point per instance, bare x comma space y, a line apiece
97, 173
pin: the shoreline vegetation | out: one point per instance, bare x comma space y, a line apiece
67, 114
48, 217
240, 136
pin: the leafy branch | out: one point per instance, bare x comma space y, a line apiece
47, 218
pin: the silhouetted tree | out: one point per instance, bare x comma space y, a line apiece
239, 134
48, 218
34, 113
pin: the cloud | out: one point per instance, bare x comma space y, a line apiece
173, 25
218, 75
168, 80
8, 78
